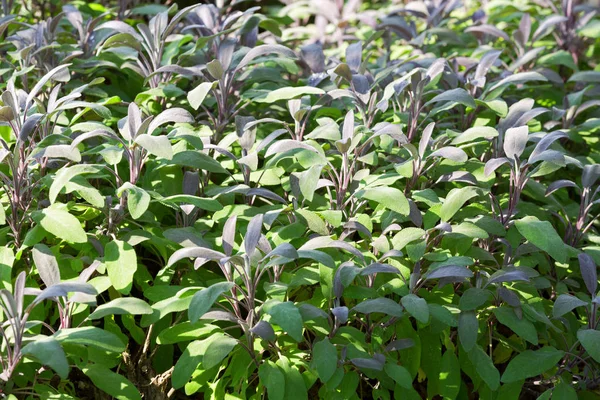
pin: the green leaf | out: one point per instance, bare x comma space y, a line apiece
473, 298
91, 336
138, 199
521, 77
188, 362
197, 95
313, 221
112, 383
485, 367
295, 388
406, 236
566, 303
399, 374
273, 379
531, 363
560, 57
591, 29
477, 132
522, 327
122, 305
458, 95
159, 146
198, 160
121, 264
64, 175
590, 340
47, 351
287, 316
380, 305
498, 106
388, 197
586, 77
219, 347
449, 378
468, 328
455, 199
205, 298
564, 391
185, 332
543, 235
308, 181
287, 93
325, 359
417, 307
200, 202
62, 225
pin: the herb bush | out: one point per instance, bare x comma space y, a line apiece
312, 199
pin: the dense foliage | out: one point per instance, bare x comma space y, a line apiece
312, 199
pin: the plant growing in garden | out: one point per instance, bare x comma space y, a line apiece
299, 200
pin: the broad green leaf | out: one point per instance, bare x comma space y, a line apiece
485, 367
308, 181
379, 305
399, 374
185, 332
564, 391
458, 95
295, 388
188, 362
521, 326
468, 328
197, 95
200, 202
455, 199
531, 363
477, 132
543, 235
388, 197
122, 305
112, 383
498, 106
313, 221
64, 175
159, 146
121, 264
406, 236
417, 307
198, 160
590, 340
263, 50
449, 378
325, 359
287, 93
273, 379
473, 298
521, 77
47, 351
205, 298
62, 225
219, 347
287, 316
91, 336
566, 303
586, 77
138, 199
